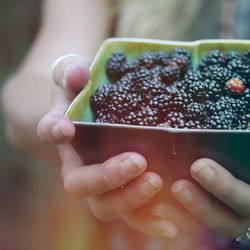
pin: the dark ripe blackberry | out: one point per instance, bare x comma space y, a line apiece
214, 89
170, 74
193, 124
156, 72
126, 81
175, 119
133, 118
116, 66
217, 73
198, 90
232, 55
146, 60
237, 66
181, 62
214, 57
121, 105
242, 122
190, 77
174, 88
246, 57
220, 105
240, 106
222, 120
178, 103
146, 117
101, 98
162, 58
196, 111
103, 116
141, 76
246, 96
179, 52
162, 103
152, 89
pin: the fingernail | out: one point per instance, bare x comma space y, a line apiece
59, 59
57, 131
166, 229
150, 186
182, 193
203, 172
131, 165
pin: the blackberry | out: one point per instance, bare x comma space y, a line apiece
175, 119
162, 58
193, 124
214, 57
232, 55
151, 88
240, 106
121, 105
217, 73
178, 102
162, 103
214, 89
173, 89
145, 117
100, 99
196, 111
180, 62
237, 66
225, 119
146, 60
126, 81
116, 66
242, 123
198, 90
170, 74
179, 52
220, 105
103, 116
246, 57
190, 77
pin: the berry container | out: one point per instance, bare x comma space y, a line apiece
168, 151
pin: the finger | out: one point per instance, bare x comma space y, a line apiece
71, 72
116, 203
208, 210
218, 181
150, 225
99, 178
55, 128
182, 219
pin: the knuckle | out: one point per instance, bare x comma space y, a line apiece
226, 190
101, 211
70, 187
107, 178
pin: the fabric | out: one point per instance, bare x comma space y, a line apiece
168, 19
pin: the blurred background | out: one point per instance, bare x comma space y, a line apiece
35, 213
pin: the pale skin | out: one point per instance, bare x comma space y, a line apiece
44, 131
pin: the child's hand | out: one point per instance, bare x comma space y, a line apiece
219, 200
102, 184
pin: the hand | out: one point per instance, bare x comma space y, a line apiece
101, 184
219, 200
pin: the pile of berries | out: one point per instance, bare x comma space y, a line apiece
163, 89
